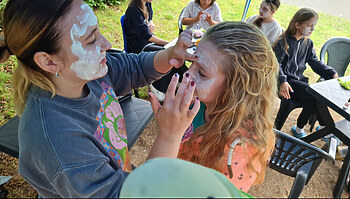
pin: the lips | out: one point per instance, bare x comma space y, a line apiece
103, 61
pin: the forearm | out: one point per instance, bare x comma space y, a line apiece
189, 21
165, 147
157, 40
161, 60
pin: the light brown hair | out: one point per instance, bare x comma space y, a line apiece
30, 26
301, 16
142, 7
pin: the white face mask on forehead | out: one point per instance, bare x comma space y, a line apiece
88, 66
203, 86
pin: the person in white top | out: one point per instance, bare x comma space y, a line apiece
265, 21
201, 14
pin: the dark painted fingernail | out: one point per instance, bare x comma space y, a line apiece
187, 74
196, 56
192, 83
176, 74
197, 98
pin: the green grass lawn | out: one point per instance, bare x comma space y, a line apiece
166, 13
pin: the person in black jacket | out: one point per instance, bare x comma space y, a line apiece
293, 50
139, 27
139, 37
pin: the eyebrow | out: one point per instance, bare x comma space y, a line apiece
91, 33
203, 68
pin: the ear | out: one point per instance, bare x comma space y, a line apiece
46, 62
297, 25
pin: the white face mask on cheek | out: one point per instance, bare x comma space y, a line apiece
307, 31
88, 66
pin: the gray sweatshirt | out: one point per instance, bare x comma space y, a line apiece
77, 147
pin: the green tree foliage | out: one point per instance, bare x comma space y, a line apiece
101, 3
2, 7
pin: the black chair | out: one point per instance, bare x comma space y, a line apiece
298, 159
337, 52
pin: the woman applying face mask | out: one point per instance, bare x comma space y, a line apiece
265, 21
72, 135
293, 50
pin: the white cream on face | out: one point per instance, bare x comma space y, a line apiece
264, 10
203, 85
309, 26
89, 66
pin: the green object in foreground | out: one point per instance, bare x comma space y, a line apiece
175, 178
345, 85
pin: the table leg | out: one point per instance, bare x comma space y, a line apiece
344, 172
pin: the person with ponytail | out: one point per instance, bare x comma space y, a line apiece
236, 84
293, 50
265, 21
72, 135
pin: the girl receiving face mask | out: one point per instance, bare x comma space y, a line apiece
232, 132
72, 134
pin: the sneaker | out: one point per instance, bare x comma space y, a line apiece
298, 135
328, 137
160, 95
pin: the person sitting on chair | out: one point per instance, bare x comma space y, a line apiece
265, 21
201, 14
139, 33
293, 50
139, 28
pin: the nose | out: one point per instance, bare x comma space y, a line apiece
312, 28
105, 44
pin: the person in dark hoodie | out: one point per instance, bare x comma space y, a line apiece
139, 33
293, 50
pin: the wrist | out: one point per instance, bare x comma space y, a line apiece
169, 136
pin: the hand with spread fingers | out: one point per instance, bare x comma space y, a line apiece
174, 117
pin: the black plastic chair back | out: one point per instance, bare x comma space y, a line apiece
337, 50
296, 158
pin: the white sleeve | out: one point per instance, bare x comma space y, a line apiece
187, 13
218, 16
275, 33
251, 19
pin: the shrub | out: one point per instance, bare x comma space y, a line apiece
101, 3
2, 7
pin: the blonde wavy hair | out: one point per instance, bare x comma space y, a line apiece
29, 29
246, 102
